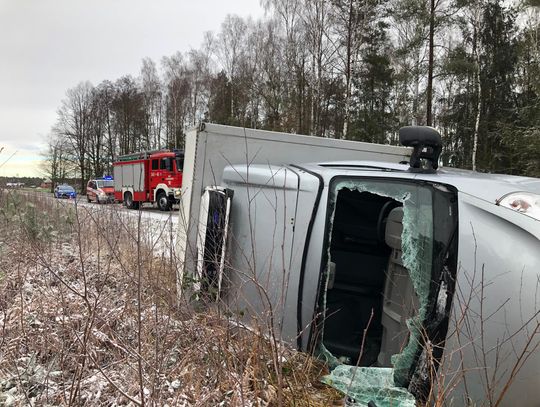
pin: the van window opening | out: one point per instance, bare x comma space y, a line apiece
384, 275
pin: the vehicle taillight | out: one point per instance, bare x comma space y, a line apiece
522, 202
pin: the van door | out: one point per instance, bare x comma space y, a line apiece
212, 239
263, 246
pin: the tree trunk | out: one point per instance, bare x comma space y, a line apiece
479, 95
429, 90
348, 62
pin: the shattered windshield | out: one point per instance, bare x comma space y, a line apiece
382, 275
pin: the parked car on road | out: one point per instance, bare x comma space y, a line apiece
100, 190
65, 191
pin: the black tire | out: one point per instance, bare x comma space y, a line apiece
88, 199
163, 202
129, 202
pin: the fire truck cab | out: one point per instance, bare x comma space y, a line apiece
149, 176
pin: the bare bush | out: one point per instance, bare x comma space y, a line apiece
88, 316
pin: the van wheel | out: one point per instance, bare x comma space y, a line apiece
163, 202
129, 202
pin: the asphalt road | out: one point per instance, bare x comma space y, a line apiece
158, 228
81, 200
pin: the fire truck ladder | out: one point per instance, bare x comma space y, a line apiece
143, 155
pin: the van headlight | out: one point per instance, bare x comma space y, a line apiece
522, 202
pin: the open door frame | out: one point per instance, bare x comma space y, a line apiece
212, 240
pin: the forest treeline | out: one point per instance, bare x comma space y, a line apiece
350, 69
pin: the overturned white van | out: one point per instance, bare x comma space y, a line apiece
414, 283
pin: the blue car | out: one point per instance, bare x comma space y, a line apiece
65, 191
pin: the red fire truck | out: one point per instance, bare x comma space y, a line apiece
149, 176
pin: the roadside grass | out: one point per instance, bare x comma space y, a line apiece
88, 316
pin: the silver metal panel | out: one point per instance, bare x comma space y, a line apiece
138, 175
335, 149
263, 222
313, 269
117, 176
307, 196
192, 187
489, 187
495, 308
284, 199
129, 175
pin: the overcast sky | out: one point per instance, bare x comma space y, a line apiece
48, 46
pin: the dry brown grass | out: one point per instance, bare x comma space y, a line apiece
88, 317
